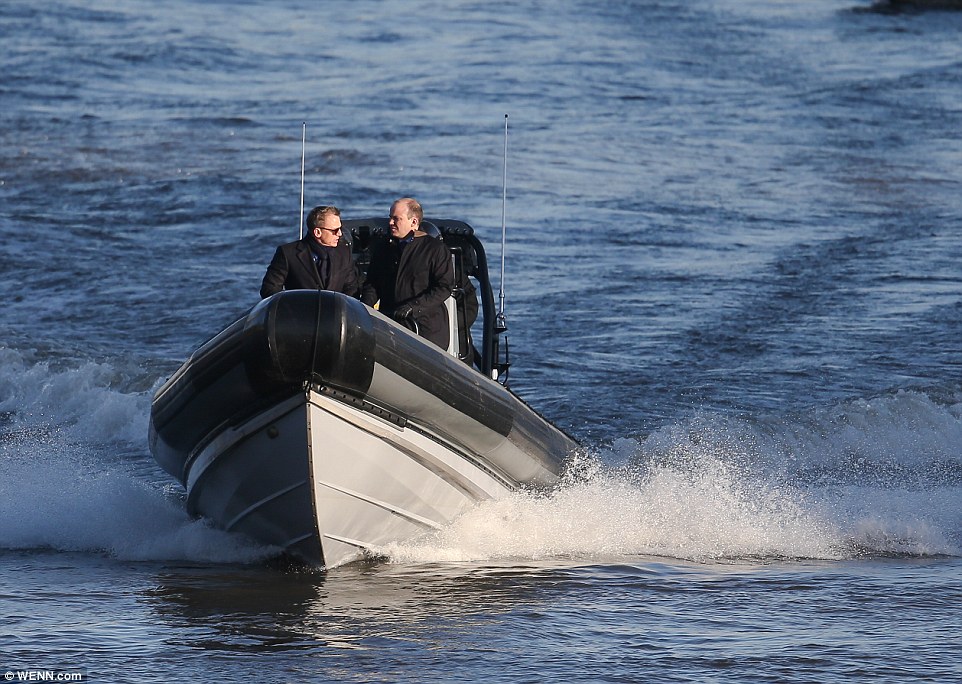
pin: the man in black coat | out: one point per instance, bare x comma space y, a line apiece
412, 275
318, 261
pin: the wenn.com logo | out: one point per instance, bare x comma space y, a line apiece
43, 676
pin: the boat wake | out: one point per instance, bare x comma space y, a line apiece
869, 478
75, 474
876, 478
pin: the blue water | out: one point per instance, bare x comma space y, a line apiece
734, 269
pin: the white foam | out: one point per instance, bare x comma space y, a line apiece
84, 402
75, 474
69, 502
701, 516
714, 488
879, 476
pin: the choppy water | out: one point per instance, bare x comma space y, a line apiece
734, 273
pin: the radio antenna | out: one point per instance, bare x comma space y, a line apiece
500, 321
300, 224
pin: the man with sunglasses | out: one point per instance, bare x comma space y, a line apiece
320, 260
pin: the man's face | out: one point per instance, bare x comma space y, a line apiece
328, 231
401, 223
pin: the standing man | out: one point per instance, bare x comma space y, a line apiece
318, 261
412, 275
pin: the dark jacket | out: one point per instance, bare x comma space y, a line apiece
419, 274
293, 268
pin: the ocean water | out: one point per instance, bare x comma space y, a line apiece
734, 274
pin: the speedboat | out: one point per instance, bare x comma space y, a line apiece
317, 425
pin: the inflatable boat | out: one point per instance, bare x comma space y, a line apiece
316, 425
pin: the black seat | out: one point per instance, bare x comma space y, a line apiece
431, 230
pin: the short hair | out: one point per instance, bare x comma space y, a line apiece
414, 207
317, 213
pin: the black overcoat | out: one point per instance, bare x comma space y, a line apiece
293, 268
419, 274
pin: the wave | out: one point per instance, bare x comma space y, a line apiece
867, 478
863, 479
75, 473
66, 501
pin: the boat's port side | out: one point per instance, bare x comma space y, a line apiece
375, 482
362, 404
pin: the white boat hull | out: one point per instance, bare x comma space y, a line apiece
361, 480
375, 483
